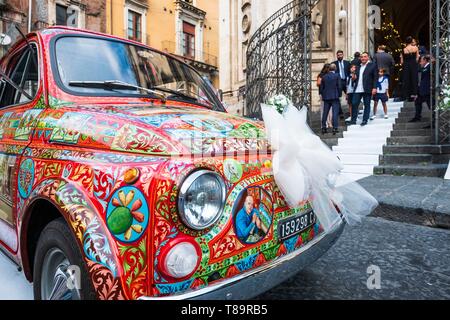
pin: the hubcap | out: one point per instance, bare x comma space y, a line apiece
55, 277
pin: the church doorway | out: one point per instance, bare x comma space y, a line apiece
400, 19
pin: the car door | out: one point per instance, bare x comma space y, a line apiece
18, 96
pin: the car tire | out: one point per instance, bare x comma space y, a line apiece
56, 250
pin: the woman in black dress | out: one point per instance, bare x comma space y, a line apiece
410, 62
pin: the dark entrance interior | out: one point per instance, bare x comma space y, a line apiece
400, 19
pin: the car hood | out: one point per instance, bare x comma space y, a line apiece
154, 130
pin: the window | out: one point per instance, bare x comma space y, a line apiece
188, 40
24, 75
116, 60
61, 15
134, 26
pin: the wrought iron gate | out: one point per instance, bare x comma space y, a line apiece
440, 38
279, 58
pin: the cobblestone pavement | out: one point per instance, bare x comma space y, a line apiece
414, 263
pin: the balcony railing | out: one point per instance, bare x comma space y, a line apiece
200, 56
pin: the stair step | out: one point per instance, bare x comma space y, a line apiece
330, 135
441, 158
375, 149
367, 133
378, 123
411, 132
406, 158
412, 114
408, 149
426, 121
410, 126
356, 142
411, 140
358, 159
358, 169
331, 142
347, 176
426, 170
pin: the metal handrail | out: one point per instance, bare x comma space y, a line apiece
279, 57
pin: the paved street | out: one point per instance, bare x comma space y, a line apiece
414, 263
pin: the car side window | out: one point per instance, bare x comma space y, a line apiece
24, 74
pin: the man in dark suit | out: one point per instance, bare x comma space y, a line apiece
424, 87
343, 70
330, 89
366, 78
384, 60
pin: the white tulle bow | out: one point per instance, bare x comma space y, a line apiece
305, 168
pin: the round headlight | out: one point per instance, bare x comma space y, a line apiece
201, 199
181, 260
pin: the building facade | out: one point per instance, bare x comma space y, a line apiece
188, 29
336, 25
31, 15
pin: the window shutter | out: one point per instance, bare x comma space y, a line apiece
188, 28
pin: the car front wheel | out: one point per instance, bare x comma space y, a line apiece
59, 272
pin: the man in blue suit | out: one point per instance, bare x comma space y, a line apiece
330, 87
366, 78
424, 87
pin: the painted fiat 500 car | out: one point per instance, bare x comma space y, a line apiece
123, 177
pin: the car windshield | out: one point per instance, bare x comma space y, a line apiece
101, 67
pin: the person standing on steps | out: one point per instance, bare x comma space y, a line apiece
384, 60
366, 78
351, 86
382, 94
424, 92
409, 60
343, 70
330, 88
325, 70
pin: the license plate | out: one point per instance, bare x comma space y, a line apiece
294, 225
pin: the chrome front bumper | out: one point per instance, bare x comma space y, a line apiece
264, 278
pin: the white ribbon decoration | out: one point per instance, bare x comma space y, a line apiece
305, 168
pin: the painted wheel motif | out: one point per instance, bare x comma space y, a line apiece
127, 215
26, 178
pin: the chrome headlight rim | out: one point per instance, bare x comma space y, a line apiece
184, 188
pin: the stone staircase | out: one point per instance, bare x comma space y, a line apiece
410, 150
329, 139
361, 147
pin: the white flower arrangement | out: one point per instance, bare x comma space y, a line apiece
444, 103
279, 102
